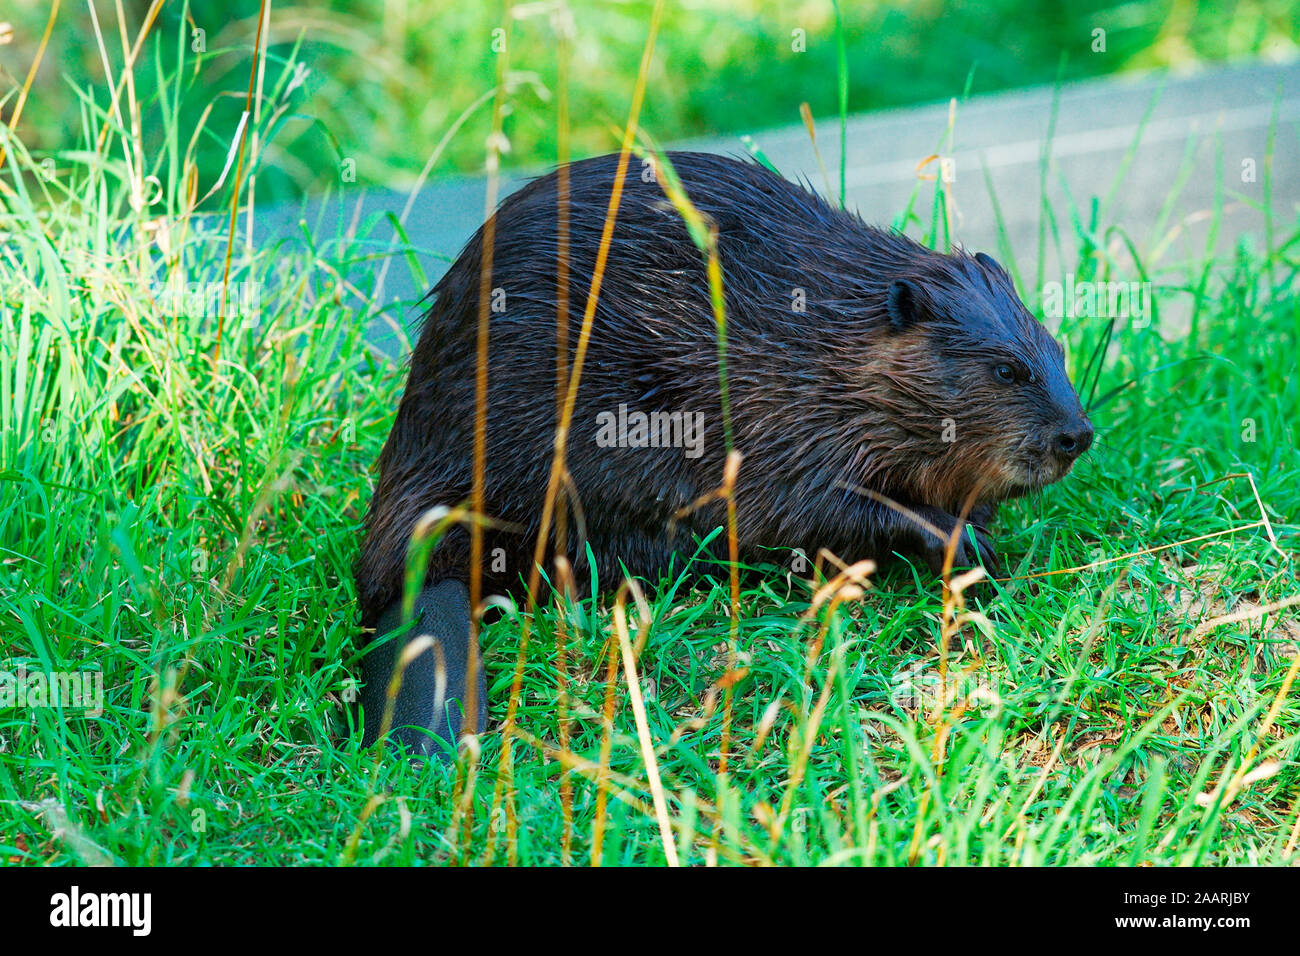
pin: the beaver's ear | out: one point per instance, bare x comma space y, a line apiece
903, 304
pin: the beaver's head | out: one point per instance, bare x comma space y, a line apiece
991, 380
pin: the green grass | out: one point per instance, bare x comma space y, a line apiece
186, 527
729, 66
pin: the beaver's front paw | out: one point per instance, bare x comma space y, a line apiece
966, 553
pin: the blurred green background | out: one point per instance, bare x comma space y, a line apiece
386, 79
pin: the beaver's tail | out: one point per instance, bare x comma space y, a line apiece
429, 706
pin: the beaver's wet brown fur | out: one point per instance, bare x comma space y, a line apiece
856, 358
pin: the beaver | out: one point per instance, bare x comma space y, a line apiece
858, 362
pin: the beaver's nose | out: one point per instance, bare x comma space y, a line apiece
1076, 440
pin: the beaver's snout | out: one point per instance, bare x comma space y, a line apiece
1070, 433
1073, 440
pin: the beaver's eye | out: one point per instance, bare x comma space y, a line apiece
1005, 373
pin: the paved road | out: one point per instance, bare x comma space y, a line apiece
1192, 120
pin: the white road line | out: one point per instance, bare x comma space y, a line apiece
1086, 142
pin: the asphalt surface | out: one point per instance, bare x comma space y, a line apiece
1159, 187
